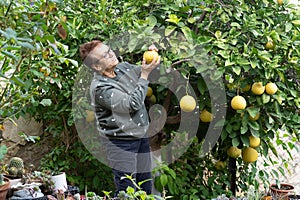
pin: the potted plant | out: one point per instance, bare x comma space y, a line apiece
14, 171
4, 182
60, 181
45, 179
4, 187
281, 191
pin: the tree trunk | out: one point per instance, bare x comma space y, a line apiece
232, 174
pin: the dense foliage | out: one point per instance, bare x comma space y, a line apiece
39, 62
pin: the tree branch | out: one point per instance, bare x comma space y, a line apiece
173, 119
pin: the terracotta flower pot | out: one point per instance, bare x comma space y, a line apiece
281, 193
4, 189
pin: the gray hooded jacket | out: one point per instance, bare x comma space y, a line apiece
119, 103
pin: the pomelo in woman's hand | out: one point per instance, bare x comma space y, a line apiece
149, 56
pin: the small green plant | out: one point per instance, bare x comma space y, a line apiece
92, 196
137, 192
253, 194
42, 177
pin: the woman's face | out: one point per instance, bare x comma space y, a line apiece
107, 59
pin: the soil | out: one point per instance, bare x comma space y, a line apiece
31, 153
284, 187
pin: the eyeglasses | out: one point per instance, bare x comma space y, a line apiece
108, 53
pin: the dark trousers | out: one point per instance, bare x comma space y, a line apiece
130, 157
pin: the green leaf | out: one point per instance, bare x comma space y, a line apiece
245, 140
229, 63
163, 179
224, 53
236, 70
10, 55
235, 142
264, 58
187, 33
255, 33
265, 98
169, 30
50, 38
152, 20
296, 22
201, 85
130, 190
224, 135
172, 187
46, 102
172, 173
244, 127
254, 125
173, 18
294, 93
191, 20
26, 45
74, 62
288, 27
234, 24
253, 64
17, 81
253, 111
9, 34
273, 149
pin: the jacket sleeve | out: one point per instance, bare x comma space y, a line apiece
120, 101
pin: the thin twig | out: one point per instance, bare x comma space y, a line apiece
9, 6
179, 61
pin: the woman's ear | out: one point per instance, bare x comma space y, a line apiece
97, 67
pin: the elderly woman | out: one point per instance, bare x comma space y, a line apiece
118, 91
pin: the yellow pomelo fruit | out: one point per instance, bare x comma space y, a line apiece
206, 116
280, 2
254, 141
255, 118
270, 45
238, 103
234, 152
187, 103
149, 92
258, 88
246, 88
220, 165
271, 88
249, 155
153, 98
230, 86
150, 55
90, 116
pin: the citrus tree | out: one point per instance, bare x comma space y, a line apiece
253, 47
